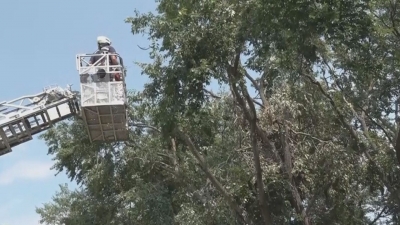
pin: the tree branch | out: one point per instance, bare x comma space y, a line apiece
354, 135
378, 216
287, 166
246, 114
256, 157
259, 88
143, 125
362, 118
211, 94
142, 48
251, 116
212, 178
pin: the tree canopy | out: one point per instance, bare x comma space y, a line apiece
256, 112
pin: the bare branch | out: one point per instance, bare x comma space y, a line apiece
146, 126
259, 88
379, 215
144, 49
309, 135
211, 94
173, 158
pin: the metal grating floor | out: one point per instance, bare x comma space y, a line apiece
106, 123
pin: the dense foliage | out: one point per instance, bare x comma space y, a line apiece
303, 129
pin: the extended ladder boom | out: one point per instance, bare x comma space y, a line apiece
23, 117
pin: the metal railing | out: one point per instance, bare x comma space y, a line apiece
84, 66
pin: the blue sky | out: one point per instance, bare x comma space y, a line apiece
39, 42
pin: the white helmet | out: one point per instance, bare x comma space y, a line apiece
103, 40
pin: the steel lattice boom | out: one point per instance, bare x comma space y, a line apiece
26, 116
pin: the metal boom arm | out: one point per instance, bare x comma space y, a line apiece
26, 116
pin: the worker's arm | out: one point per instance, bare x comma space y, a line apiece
114, 59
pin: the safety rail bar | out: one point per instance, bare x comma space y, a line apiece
84, 67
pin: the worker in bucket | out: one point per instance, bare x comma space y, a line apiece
104, 46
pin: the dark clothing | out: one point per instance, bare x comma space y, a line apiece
108, 49
102, 72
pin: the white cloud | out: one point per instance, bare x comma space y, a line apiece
25, 170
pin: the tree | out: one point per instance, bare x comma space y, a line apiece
306, 133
